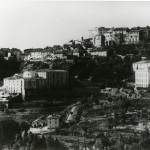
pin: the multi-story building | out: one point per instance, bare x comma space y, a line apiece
142, 77
58, 55
133, 36
54, 78
38, 86
35, 84
14, 85
99, 40
120, 35
145, 34
53, 122
109, 38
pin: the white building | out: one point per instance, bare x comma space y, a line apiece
98, 53
142, 77
36, 55
58, 55
29, 74
141, 65
99, 40
14, 84
53, 122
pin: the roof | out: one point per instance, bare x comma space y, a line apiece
53, 116
14, 77
41, 118
142, 62
50, 70
120, 28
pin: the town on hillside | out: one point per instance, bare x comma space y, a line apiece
92, 94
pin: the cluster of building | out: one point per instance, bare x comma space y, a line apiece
109, 36
142, 73
34, 84
13, 53
49, 123
42, 54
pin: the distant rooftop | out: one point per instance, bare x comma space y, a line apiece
142, 62
15, 76
50, 70
53, 116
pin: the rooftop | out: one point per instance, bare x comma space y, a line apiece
142, 62
14, 77
53, 116
50, 70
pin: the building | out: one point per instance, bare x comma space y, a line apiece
99, 41
133, 36
53, 122
58, 55
141, 65
98, 53
54, 78
15, 85
142, 77
29, 74
145, 34
120, 35
40, 122
40, 84
109, 37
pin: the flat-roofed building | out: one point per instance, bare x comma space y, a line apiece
142, 77
54, 78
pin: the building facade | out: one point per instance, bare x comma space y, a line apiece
14, 85
122, 35
142, 77
53, 122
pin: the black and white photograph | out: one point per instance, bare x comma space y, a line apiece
74, 75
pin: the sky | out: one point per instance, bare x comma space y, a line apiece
37, 24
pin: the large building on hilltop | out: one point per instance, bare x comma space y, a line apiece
109, 36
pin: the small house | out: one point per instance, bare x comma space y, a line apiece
40, 122
53, 122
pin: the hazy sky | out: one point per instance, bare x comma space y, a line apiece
33, 24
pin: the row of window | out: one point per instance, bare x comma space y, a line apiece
141, 75
141, 80
142, 85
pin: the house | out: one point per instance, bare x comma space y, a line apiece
53, 122
14, 85
40, 122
